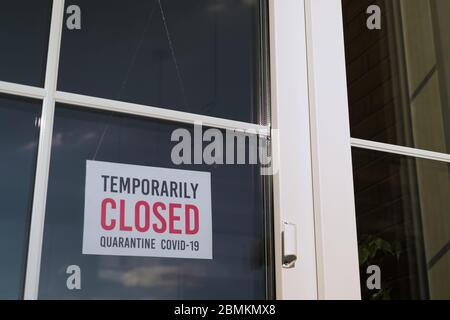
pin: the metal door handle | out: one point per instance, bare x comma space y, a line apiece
289, 245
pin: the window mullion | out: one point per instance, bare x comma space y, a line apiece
158, 113
43, 159
21, 90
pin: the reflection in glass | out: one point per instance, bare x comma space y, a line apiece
238, 270
399, 76
19, 134
24, 33
194, 56
403, 220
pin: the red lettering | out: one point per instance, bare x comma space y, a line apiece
123, 227
137, 216
173, 218
191, 209
112, 224
158, 217
156, 207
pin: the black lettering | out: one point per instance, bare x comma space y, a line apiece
186, 193
124, 185
105, 183
136, 185
102, 242
164, 189
145, 187
114, 184
173, 189
155, 187
194, 189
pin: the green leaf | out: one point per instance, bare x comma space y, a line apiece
377, 295
386, 246
397, 249
373, 249
363, 255
386, 295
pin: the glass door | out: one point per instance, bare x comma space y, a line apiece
151, 152
161, 152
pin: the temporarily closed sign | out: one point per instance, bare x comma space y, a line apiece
147, 212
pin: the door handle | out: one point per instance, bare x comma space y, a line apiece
289, 245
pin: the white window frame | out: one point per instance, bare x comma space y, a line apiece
293, 192
336, 238
314, 187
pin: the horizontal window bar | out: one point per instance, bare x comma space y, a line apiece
405, 151
158, 113
21, 90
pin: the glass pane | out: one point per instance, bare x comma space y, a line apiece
199, 57
398, 77
237, 218
24, 32
403, 219
19, 134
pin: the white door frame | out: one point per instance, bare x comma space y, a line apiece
293, 196
336, 240
314, 186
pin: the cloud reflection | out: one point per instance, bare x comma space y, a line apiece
143, 277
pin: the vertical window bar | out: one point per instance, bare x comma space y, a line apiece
43, 161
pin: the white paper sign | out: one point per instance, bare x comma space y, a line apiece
147, 212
